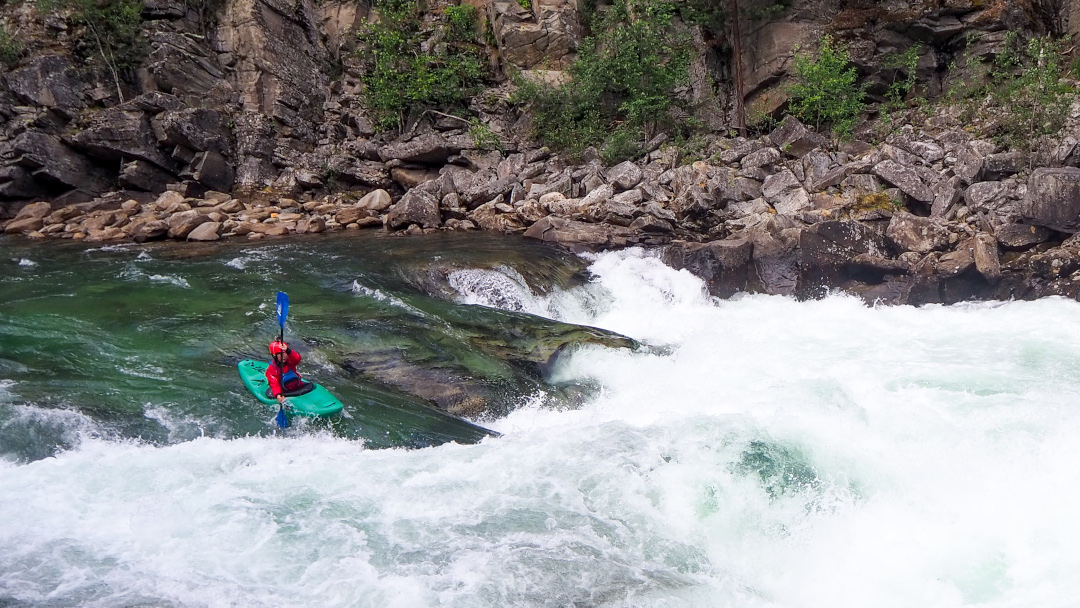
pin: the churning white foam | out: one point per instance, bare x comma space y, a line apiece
782, 454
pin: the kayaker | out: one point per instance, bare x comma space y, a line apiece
281, 373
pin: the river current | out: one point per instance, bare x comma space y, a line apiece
758, 451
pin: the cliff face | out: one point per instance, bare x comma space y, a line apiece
266, 95
251, 118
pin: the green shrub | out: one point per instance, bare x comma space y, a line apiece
10, 48
461, 23
110, 31
906, 63
826, 92
1029, 88
402, 80
624, 83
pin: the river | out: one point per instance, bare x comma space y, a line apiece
757, 451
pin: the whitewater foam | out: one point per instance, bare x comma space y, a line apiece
782, 454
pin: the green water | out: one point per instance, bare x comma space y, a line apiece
141, 341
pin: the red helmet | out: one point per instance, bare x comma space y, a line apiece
278, 346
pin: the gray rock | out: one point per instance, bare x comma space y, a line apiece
1053, 199
987, 196
198, 129
51, 162
376, 200
969, 164
723, 265
121, 133
48, 80
761, 158
578, 236
624, 175
207, 231
904, 178
996, 166
141, 175
648, 223
987, 259
919, 234
598, 196
793, 138
416, 207
213, 171
786, 193
1021, 236
947, 194
428, 149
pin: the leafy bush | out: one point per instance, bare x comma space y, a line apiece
1030, 90
624, 83
827, 92
906, 63
111, 31
10, 48
401, 79
461, 22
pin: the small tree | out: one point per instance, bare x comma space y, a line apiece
113, 27
827, 92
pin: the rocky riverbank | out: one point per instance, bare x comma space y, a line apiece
918, 219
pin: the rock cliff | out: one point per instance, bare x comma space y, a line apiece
251, 118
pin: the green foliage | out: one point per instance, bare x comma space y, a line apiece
461, 23
624, 83
401, 79
112, 29
906, 63
525, 4
483, 137
827, 92
1030, 89
10, 48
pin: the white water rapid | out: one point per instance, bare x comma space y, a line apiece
767, 453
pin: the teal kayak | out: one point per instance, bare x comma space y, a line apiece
317, 402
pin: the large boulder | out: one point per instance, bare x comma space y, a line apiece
428, 149
794, 138
578, 236
1053, 199
47, 80
56, 165
786, 193
376, 200
122, 133
724, 265
905, 178
919, 234
181, 224
416, 207
625, 175
197, 129
207, 231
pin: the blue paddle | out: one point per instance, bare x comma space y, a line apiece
282, 312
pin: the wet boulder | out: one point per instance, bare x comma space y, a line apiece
724, 265
1053, 199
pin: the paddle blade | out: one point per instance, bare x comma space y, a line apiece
281, 419
282, 309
